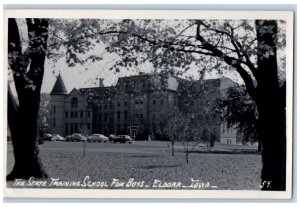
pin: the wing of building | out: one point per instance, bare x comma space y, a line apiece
136, 105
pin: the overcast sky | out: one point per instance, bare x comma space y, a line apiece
86, 75
79, 77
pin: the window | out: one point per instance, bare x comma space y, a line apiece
105, 106
54, 122
105, 117
100, 117
88, 113
75, 114
74, 102
72, 114
89, 126
139, 116
154, 101
119, 115
81, 114
66, 114
139, 102
200, 117
76, 127
125, 115
125, 103
119, 104
206, 117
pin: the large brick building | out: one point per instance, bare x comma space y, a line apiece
135, 106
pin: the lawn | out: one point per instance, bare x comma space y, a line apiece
224, 167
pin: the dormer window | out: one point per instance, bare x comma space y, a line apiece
74, 103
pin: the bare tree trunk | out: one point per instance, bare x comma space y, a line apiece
187, 156
25, 142
172, 145
23, 119
271, 107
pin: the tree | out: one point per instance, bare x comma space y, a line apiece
238, 110
173, 126
190, 138
27, 66
248, 47
180, 127
28, 70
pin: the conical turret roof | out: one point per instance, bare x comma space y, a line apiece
59, 87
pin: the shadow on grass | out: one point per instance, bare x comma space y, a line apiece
148, 167
232, 151
143, 156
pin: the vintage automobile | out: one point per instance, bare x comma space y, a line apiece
123, 139
97, 138
57, 137
47, 137
76, 137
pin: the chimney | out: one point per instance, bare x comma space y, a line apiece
101, 82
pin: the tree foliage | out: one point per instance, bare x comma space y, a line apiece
239, 111
250, 48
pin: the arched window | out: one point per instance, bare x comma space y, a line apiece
74, 102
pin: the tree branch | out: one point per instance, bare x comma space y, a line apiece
236, 44
230, 61
38, 36
18, 62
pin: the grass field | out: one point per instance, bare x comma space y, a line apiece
226, 167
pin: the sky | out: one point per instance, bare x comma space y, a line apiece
79, 77
87, 75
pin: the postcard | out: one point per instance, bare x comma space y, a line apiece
148, 104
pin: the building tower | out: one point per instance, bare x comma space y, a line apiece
57, 104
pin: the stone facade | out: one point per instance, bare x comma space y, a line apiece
136, 104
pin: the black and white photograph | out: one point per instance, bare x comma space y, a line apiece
148, 104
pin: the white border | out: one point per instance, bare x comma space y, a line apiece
156, 14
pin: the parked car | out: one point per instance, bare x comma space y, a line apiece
76, 138
47, 137
57, 137
111, 137
97, 138
123, 139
